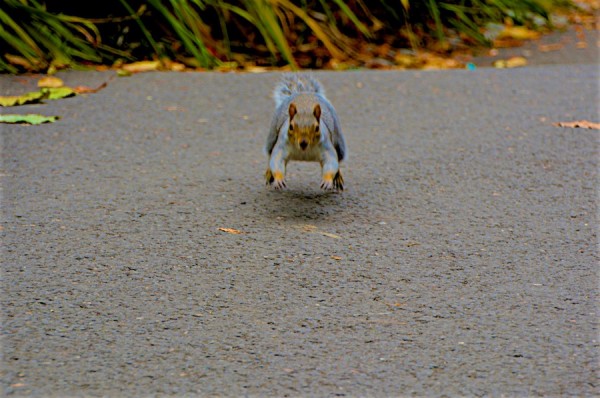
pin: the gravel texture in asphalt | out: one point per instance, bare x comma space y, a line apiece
461, 260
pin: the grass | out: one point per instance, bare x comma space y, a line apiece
208, 33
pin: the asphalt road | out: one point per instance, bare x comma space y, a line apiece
462, 259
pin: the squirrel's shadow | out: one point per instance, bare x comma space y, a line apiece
301, 204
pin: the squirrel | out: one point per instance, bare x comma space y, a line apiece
305, 127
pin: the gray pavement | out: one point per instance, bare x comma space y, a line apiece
462, 259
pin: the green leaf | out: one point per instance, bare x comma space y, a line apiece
30, 118
37, 97
59, 92
29, 98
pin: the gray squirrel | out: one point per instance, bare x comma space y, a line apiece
305, 127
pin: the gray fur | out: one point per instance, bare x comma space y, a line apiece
290, 87
294, 83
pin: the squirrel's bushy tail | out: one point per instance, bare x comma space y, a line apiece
296, 83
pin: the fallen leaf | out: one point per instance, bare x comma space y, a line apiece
309, 228
394, 304
123, 73
59, 92
29, 98
86, 90
141, 66
582, 124
518, 33
336, 257
513, 62
315, 229
231, 231
256, 69
27, 119
406, 60
173, 66
50, 81
550, 47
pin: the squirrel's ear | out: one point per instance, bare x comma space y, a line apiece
317, 112
292, 110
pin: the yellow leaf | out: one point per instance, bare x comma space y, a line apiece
583, 124
14, 100
334, 236
256, 69
231, 231
518, 33
141, 66
309, 228
513, 62
50, 82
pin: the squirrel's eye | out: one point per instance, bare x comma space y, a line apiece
317, 128
291, 127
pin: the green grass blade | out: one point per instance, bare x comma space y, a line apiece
143, 28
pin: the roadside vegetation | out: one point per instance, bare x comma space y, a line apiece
38, 36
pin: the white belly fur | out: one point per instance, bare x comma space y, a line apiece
309, 155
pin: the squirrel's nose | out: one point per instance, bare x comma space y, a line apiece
303, 144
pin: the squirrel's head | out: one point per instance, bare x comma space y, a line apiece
304, 131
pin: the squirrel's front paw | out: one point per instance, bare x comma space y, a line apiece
276, 179
331, 181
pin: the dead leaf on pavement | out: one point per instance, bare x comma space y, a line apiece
518, 33
86, 90
314, 229
550, 47
231, 231
394, 304
29, 98
142, 66
334, 236
513, 62
582, 124
50, 82
309, 228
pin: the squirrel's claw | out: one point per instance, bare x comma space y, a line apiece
337, 182
276, 183
279, 184
327, 185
